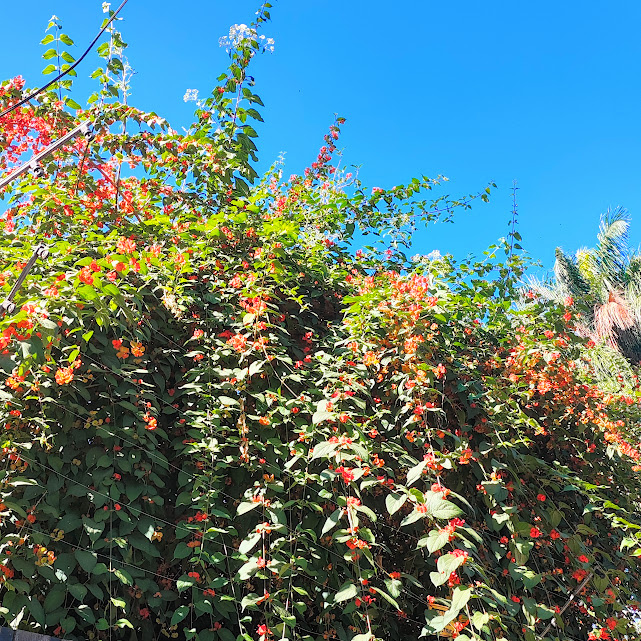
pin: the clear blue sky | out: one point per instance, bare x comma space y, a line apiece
547, 93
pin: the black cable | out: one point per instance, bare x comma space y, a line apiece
33, 94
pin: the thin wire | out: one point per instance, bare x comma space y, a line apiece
173, 525
144, 390
33, 94
176, 525
148, 392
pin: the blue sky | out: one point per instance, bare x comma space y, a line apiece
544, 93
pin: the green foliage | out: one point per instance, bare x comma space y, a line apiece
219, 422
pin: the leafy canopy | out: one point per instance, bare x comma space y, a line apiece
220, 422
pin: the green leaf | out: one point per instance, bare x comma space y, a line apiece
446, 510
388, 598
204, 607
36, 611
394, 502
412, 517
248, 544
435, 540
332, 521
124, 577
322, 414
102, 624
460, 597
438, 578
246, 506
227, 635
347, 591
70, 102
448, 563
87, 560
77, 590
180, 613
415, 473
324, 449
184, 583
479, 619
124, 623
86, 613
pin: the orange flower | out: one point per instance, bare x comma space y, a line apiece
122, 353
64, 375
369, 358
136, 348
85, 276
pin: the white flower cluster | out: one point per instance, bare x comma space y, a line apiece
425, 259
191, 94
240, 34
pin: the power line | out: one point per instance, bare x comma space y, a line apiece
33, 94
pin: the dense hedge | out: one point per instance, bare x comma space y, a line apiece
221, 422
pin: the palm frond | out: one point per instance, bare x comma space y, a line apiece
569, 278
542, 288
612, 251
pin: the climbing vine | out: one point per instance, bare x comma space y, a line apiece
220, 421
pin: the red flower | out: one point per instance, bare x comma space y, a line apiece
126, 245
194, 575
535, 533
85, 276
554, 535
540, 497
347, 474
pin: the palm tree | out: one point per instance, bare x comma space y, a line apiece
604, 285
